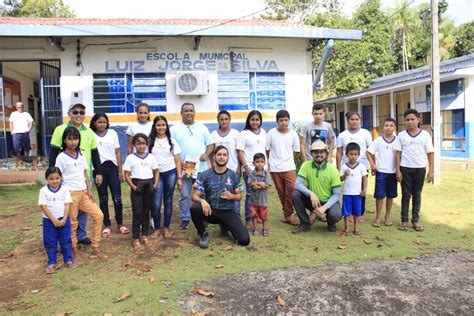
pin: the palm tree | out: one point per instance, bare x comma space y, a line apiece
404, 22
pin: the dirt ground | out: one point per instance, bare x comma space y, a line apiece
441, 283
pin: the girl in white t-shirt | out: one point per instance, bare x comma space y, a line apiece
254, 138
55, 201
231, 139
111, 160
166, 152
143, 125
74, 168
353, 134
141, 174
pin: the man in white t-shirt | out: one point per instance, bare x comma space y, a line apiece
20, 126
282, 143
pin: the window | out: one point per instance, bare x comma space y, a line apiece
120, 93
383, 110
249, 91
453, 131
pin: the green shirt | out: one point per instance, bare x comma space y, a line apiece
88, 141
321, 180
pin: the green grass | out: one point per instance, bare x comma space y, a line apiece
447, 215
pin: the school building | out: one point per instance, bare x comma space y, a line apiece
111, 65
391, 95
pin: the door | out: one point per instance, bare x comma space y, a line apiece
51, 107
3, 131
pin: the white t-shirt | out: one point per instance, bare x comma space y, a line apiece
161, 151
385, 154
137, 127
106, 145
72, 169
253, 143
362, 137
281, 147
353, 182
54, 200
414, 148
141, 168
232, 141
20, 122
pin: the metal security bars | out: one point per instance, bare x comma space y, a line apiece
250, 91
120, 93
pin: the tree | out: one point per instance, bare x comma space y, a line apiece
299, 11
36, 8
464, 40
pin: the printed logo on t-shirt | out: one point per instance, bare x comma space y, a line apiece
318, 134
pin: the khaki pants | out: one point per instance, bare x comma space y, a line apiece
285, 186
81, 201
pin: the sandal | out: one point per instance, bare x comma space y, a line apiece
290, 221
346, 233
417, 227
50, 269
377, 224
357, 232
106, 232
403, 226
265, 232
388, 222
72, 264
123, 230
145, 241
167, 233
136, 245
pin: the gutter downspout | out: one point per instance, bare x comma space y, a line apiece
322, 64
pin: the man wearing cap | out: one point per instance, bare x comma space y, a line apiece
317, 189
88, 147
21, 123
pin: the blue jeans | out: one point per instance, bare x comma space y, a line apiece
185, 198
247, 196
164, 194
52, 236
111, 180
81, 232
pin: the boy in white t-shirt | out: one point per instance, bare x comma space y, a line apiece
412, 146
384, 170
282, 143
354, 175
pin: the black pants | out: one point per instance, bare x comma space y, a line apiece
111, 181
302, 202
142, 203
227, 218
412, 185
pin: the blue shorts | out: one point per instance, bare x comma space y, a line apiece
385, 185
351, 205
21, 142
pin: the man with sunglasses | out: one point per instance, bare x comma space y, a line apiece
196, 143
77, 114
317, 188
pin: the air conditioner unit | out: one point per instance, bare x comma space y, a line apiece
192, 83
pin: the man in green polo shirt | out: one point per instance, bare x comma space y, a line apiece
88, 147
318, 188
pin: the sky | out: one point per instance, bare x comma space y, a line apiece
459, 10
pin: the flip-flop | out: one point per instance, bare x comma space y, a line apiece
403, 226
376, 225
357, 232
417, 227
123, 230
167, 233
106, 232
289, 221
50, 269
388, 223
265, 232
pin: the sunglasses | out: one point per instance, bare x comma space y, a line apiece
75, 112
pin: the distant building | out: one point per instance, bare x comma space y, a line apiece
390, 96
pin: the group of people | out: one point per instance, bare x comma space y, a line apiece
207, 169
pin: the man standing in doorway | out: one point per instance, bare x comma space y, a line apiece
20, 126
196, 145
77, 114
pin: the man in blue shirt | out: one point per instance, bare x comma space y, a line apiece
215, 193
197, 144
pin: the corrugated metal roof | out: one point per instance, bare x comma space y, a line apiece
10, 26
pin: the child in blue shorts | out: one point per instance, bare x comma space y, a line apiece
384, 170
354, 175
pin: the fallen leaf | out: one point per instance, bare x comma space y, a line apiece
168, 284
210, 253
203, 292
280, 301
316, 249
380, 246
107, 314
198, 314
151, 280
343, 246
367, 242
227, 248
417, 242
35, 291
379, 238
219, 266
9, 255
123, 297
454, 250
409, 258
25, 229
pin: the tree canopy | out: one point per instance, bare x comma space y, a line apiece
36, 8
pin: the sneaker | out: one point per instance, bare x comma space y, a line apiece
204, 240
184, 225
256, 232
86, 241
332, 227
301, 229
